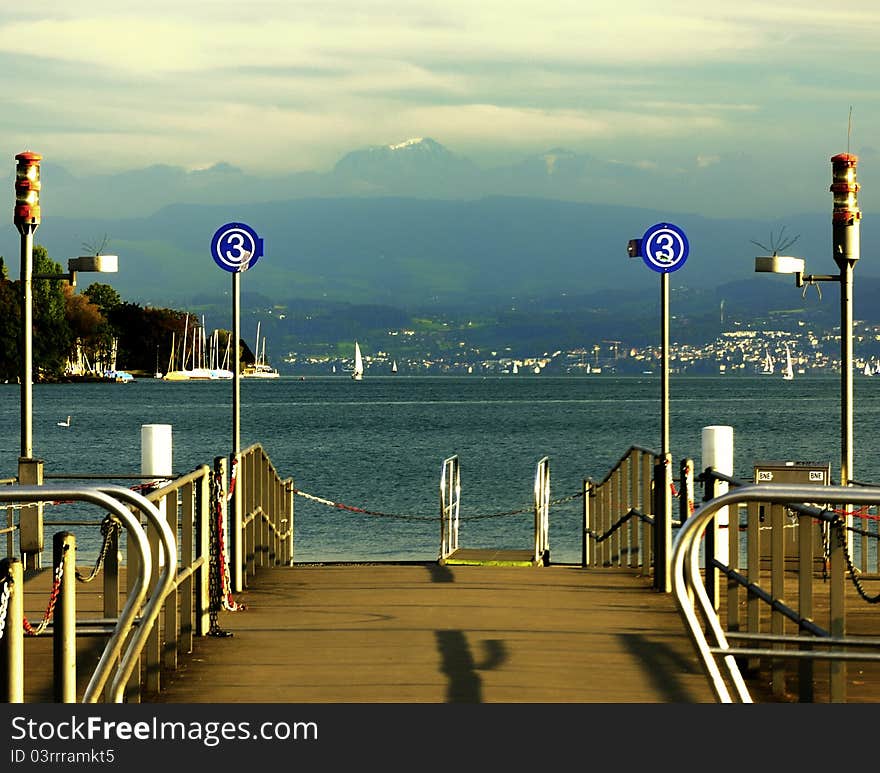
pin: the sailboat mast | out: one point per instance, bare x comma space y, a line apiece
257, 341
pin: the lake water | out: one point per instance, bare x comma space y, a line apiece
379, 444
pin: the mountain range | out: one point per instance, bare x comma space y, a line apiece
408, 225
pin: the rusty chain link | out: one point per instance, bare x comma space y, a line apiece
29, 629
110, 527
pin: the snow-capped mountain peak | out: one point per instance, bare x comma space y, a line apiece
407, 143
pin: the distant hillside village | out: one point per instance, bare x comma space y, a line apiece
736, 352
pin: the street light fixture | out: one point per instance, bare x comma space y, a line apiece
845, 219
845, 222
104, 264
27, 217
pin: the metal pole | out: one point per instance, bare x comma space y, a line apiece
236, 361
845, 219
846, 373
29, 469
27, 305
236, 476
664, 363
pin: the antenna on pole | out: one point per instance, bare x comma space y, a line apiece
848, 129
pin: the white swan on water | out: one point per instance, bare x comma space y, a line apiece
64, 423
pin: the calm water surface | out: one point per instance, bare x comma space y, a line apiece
379, 444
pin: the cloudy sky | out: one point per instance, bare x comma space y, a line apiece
721, 87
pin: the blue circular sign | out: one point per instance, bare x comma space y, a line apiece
664, 248
236, 247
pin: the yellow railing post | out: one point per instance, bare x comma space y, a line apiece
12, 641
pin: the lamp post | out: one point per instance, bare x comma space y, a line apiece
845, 219
26, 216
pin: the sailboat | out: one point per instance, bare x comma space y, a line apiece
394, 366
768, 363
260, 368
788, 372
358, 373
176, 370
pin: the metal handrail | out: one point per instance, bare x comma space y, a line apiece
164, 584
628, 489
542, 511
450, 500
689, 589
103, 498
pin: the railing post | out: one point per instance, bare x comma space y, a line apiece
64, 618
111, 573
777, 590
187, 553
647, 503
805, 601
152, 646
635, 552
686, 491
605, 547
616, 539
12, 641
132, 572
248, 483
205, 517
290, 496
837, 606
586, 556
170, 640
663, 523
710, 540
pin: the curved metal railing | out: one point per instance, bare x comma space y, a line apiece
720, 660
107, 499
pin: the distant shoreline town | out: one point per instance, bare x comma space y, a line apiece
739, 352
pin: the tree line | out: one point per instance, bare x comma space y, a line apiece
70, 328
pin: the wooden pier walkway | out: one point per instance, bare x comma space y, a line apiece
432, 633
425, 633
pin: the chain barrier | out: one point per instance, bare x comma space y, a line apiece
4, 602
142, 488
29, 629
219, 582
110, 527
851, 568
214, 575
229, 603
354, 509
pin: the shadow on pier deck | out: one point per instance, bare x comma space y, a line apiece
426, 633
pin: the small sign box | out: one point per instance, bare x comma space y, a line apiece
797, 473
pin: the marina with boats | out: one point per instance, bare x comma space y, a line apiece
260, 368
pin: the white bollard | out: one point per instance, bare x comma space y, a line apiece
156, 460
718, 454
156, 450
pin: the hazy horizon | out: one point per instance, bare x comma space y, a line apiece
734, 108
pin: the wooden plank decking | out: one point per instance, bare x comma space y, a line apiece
429, 633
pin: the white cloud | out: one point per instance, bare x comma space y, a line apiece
116, 84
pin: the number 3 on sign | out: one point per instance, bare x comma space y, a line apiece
664, 248
236, 247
